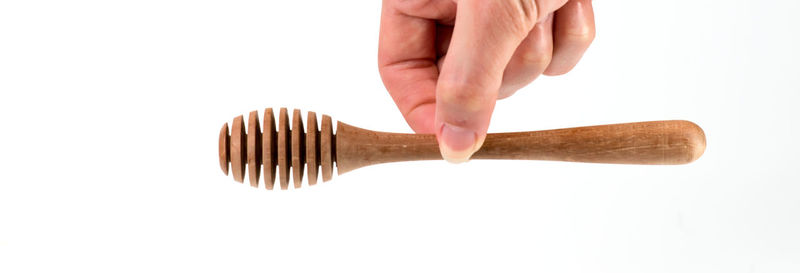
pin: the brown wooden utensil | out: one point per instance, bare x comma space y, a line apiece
248, 148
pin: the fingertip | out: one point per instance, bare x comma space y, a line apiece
463, 112
460, 133
557, 70
457, 144
573, 33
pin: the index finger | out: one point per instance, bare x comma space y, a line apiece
407, 64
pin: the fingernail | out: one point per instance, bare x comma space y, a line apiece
456, 143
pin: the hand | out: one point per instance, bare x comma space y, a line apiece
445, 66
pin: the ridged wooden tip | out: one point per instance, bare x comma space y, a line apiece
277, 153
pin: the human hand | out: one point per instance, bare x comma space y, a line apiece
446, 67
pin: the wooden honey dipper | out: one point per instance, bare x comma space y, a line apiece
653, 143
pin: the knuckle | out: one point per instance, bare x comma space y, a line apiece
528, 9
581, 34
523, 14
536, 58
515, 16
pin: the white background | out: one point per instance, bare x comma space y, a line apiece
111, 110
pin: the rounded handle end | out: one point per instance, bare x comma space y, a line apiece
695, 141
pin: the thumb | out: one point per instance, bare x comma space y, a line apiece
485, 36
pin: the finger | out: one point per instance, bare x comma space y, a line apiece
485, 36
443, 35
440, 10
529, 60
546, 7
407, 64
573, 32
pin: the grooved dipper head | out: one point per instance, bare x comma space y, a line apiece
248, 148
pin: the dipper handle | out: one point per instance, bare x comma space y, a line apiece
652, 143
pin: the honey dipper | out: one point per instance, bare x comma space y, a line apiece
653, 143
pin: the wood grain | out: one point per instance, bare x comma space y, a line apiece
238, 148
284, 152
312, 148
650, 143
254, 148
269, 144
326, 148
298, 148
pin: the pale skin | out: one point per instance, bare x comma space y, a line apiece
446, 62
